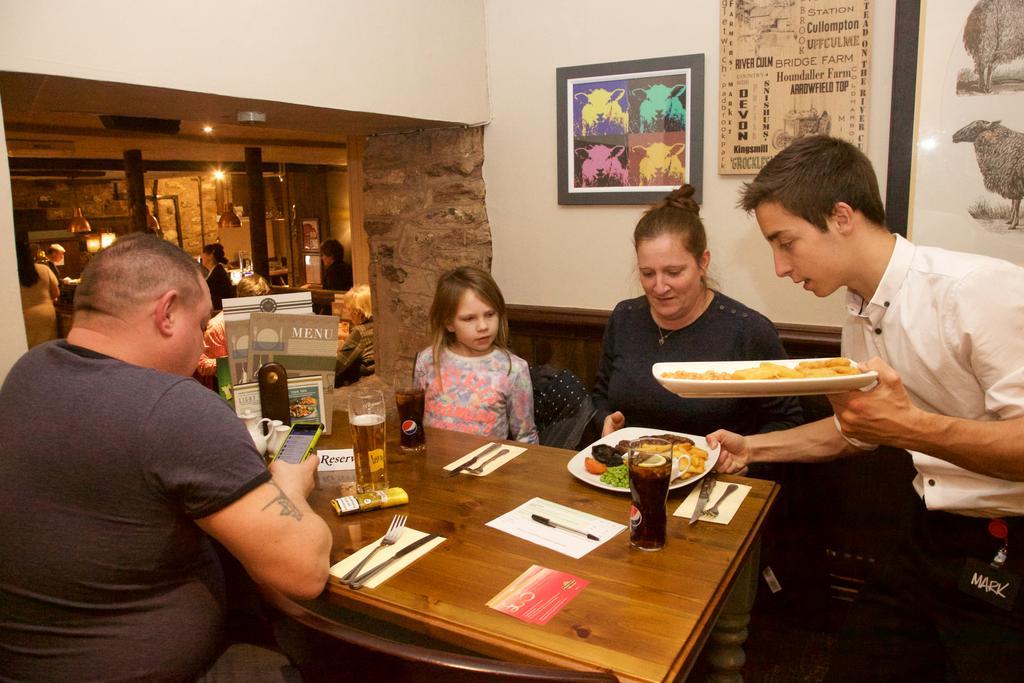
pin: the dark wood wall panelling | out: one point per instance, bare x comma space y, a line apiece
571, 338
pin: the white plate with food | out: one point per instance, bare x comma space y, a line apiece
745, 378
615, 481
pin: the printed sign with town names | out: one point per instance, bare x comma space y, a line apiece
791, 68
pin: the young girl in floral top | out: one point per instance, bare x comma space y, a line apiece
472, 382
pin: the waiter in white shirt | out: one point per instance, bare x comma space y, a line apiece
945, 332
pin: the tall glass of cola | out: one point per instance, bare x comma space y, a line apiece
410, 400
650, 470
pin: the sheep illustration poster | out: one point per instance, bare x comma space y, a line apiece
791, 68
628, 132
968, 170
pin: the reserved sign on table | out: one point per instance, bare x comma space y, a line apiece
336, 468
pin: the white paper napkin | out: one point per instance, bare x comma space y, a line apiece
513, 451
725, 511
408, 537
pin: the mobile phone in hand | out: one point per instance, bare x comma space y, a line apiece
299, 443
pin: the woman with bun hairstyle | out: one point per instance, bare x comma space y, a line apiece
217, 279
681, 317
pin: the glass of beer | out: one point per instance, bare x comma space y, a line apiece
409, 400
366, 418
650, 471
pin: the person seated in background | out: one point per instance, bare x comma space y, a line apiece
681, 317
337, 275
217, 278
109, 571
39, 292
355, 353
214, 340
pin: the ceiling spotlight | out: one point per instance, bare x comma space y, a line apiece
207, 129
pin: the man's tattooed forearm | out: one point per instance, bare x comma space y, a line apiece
288, 508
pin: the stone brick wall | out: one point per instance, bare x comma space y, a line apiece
198, 217
424, 214
105, 204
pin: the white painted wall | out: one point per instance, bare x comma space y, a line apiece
415, 58
582, 256
12, 332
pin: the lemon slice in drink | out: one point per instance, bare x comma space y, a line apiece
655, 460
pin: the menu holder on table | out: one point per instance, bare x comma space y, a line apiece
304, 344
306, 400
237, 312
272, 380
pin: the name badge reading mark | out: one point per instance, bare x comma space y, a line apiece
995, 586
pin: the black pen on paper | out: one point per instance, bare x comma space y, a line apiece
547, 522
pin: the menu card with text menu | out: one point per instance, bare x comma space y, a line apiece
303, 344
236, 326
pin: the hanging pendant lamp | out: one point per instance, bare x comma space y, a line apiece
228, 219
78, 223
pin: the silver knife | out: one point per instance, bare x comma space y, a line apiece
370, 573
702, 497
469, 463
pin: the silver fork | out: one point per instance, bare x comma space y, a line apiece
480, 468
390, 538
713, 510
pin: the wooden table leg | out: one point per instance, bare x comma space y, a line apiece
724, 650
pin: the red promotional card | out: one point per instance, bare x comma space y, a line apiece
537, 595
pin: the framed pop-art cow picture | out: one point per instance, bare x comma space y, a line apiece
630, 132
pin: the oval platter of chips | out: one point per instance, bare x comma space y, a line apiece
749, 378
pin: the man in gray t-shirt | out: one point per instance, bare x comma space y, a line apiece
114, 483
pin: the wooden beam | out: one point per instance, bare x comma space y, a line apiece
257, 211
136, 190
360, 241
189, 167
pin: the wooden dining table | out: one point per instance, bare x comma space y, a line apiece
645, 616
